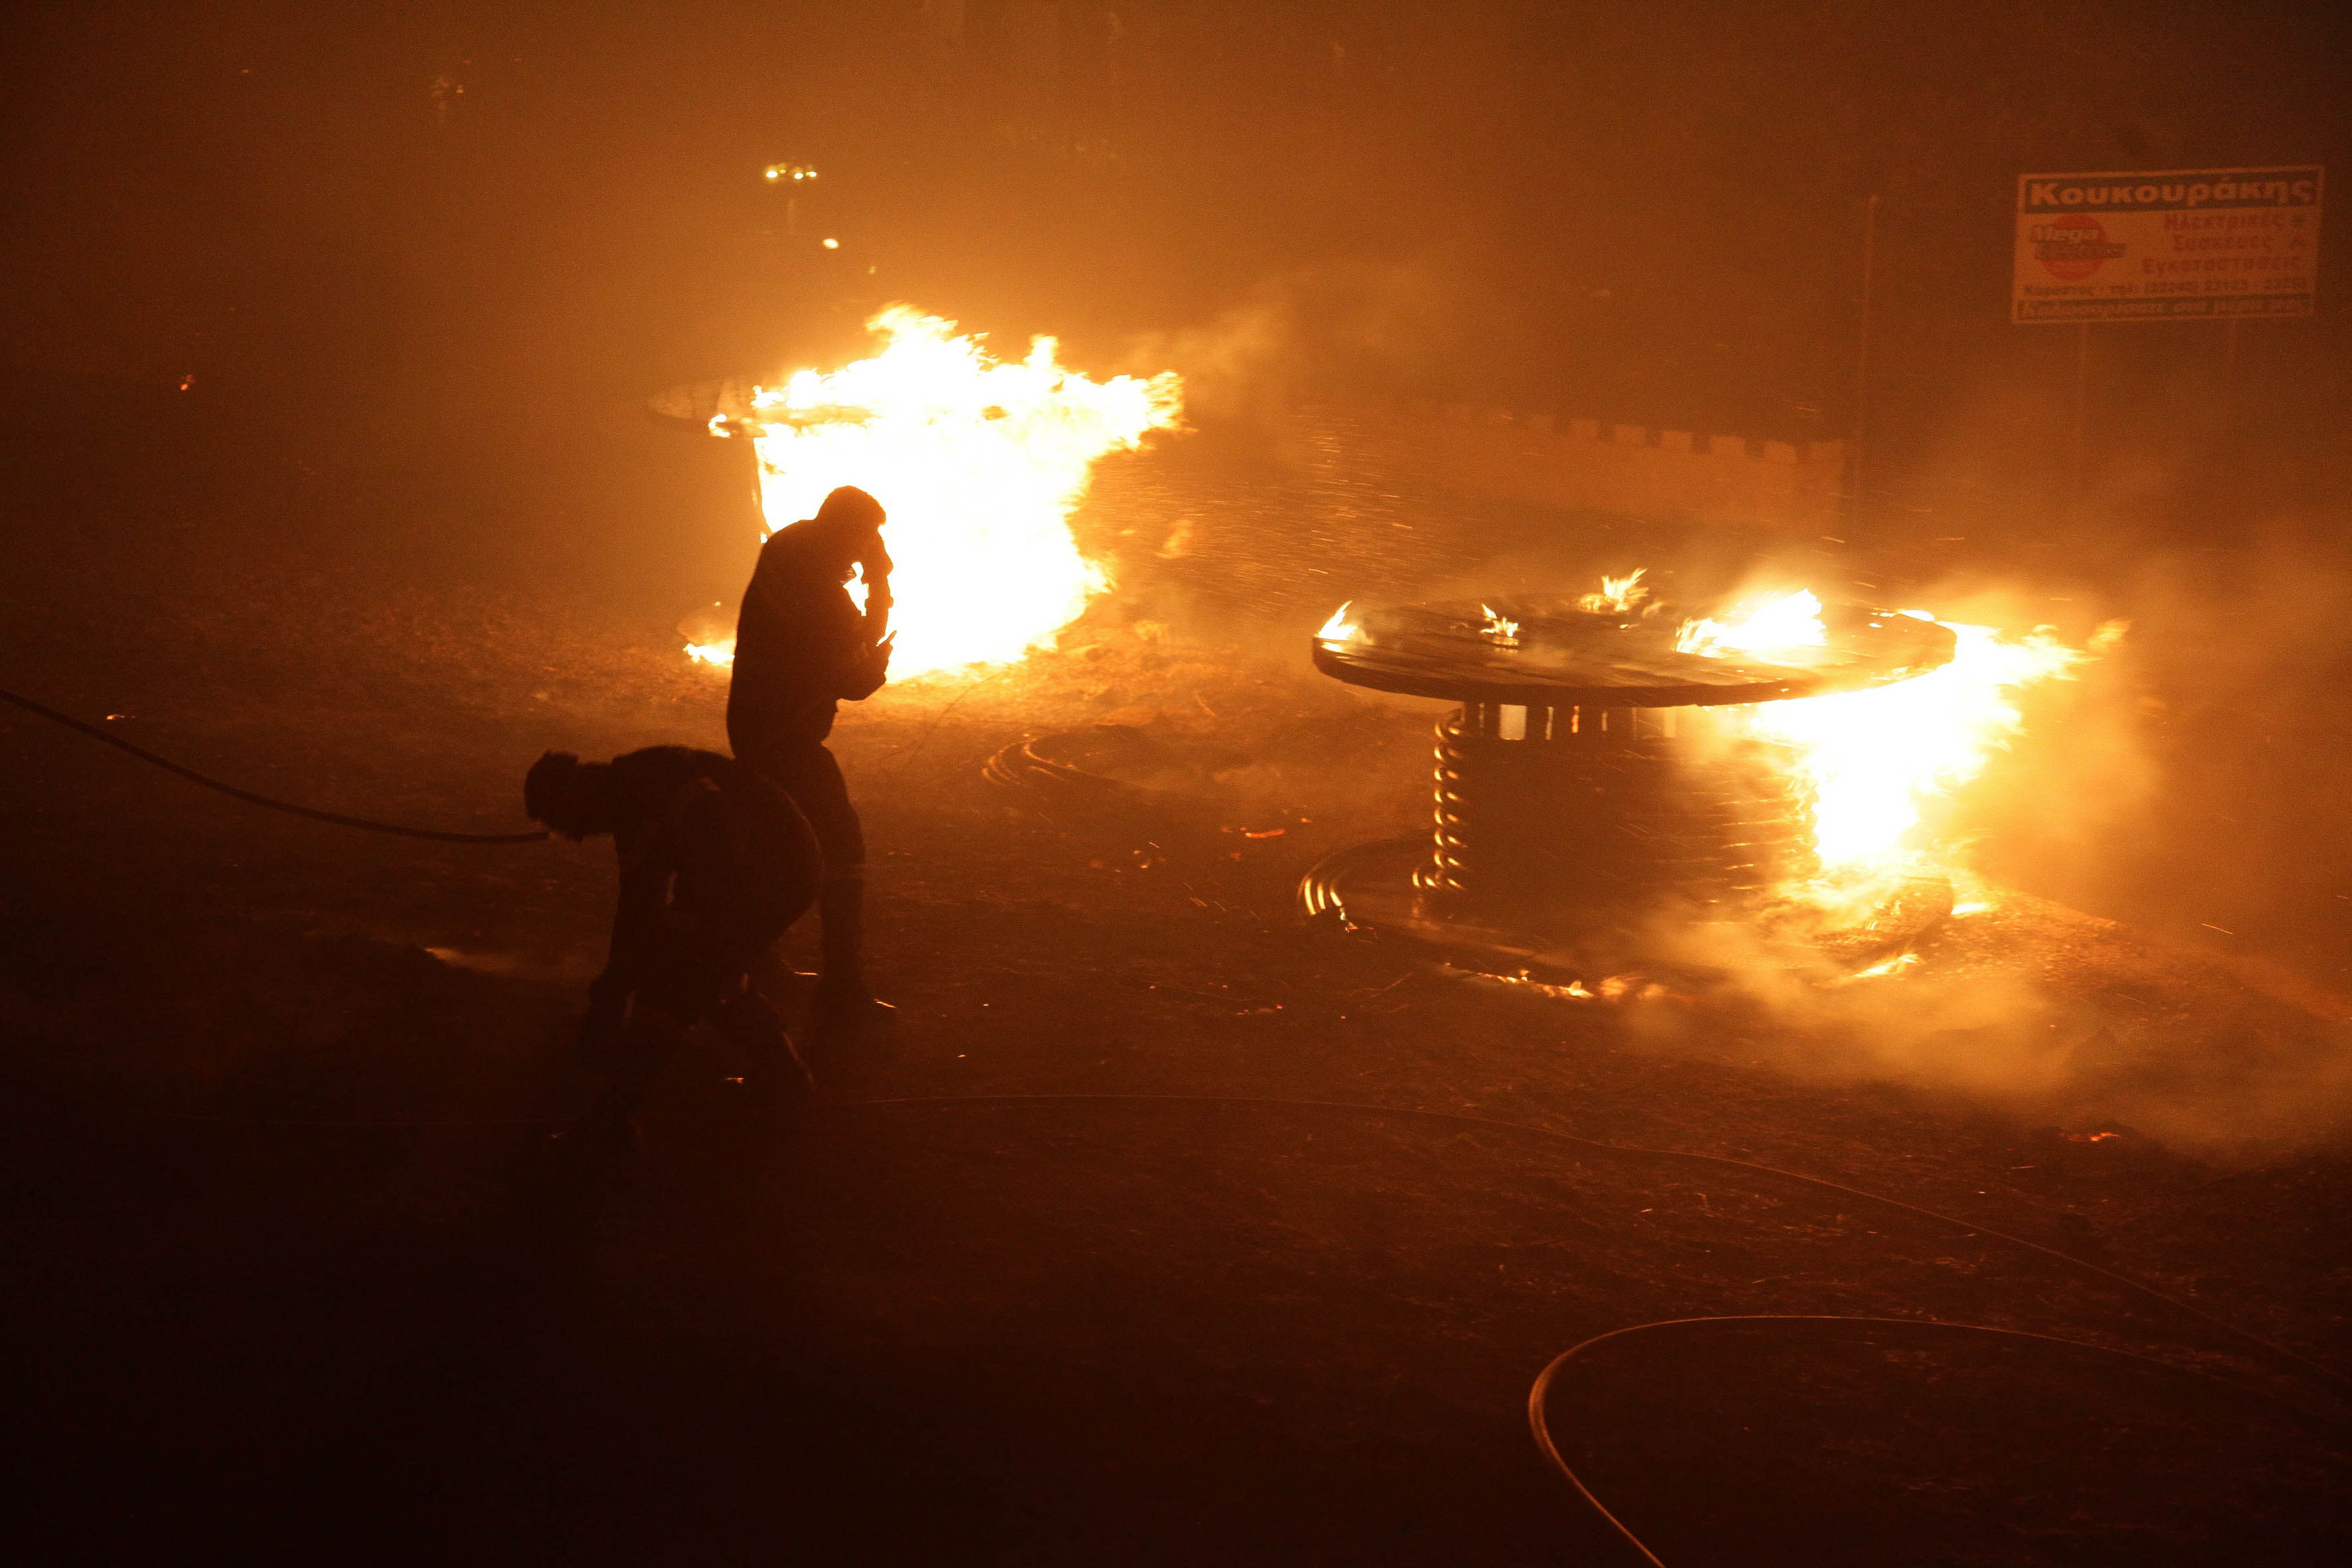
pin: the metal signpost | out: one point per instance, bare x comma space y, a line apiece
2171, 245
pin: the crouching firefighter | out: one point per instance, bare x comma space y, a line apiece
716, 863
802, 645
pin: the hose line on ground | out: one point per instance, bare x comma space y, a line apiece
1539, 1420
1537, 1416
367, 824
2336, 1381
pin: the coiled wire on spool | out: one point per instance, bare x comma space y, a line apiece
1605, 808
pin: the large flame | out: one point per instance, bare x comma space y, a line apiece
1870, 761
978, 462
1782, 625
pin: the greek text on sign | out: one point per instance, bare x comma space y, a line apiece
2159, 246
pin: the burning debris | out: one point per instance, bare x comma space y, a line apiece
982, 461
1620, 596
1753, 779
710, 634
1500, 629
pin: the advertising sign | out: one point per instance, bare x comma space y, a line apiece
2206, 243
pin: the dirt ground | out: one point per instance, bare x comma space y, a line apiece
295, 1282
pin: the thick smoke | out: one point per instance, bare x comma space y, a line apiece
2154, 937
2146, 932
2038, 1011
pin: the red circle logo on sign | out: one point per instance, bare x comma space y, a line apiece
2073, 248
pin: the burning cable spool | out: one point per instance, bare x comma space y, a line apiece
1605, 766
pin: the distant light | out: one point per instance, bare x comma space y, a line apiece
833, 244
771, 174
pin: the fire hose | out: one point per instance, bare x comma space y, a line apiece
366, 825
1538, 1422
2298, 1363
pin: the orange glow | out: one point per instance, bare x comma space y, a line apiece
710, 634
1338, 628
1782, 625
1868, 762
978, 462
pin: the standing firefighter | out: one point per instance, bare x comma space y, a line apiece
716, 863
800, 648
